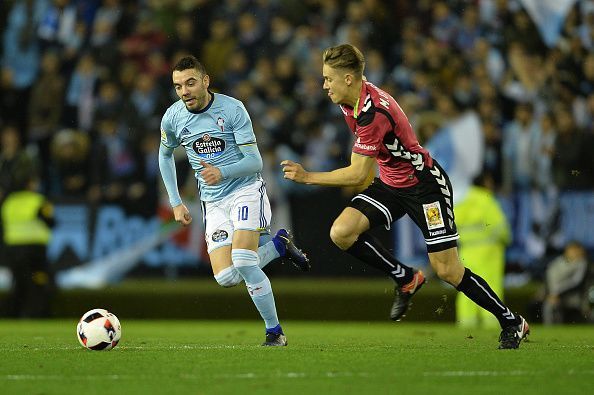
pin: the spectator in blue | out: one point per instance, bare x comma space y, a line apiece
80, 93
521, 137
20, 60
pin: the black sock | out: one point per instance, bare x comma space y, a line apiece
369, 250
477, 290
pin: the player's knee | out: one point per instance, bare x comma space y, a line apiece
228, 277
447, 265
246, 263
342, 236
450, 272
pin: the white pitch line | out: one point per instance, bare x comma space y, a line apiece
147, 348
471, 373
479, 373
292, 375
288, 375
455, 373
34, 377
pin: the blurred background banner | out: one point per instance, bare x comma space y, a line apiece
91, 248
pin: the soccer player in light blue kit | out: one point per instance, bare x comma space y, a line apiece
216, 132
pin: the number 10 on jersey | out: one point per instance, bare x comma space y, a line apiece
242, 213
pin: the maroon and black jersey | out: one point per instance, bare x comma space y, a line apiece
382, 131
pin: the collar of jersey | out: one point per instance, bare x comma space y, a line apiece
362, 95
207, 106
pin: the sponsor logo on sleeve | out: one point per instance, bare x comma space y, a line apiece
163, 136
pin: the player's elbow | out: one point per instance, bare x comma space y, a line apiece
359, 179
254, 168
259, 164
255, 163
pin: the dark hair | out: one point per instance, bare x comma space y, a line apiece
345, 56
189, 62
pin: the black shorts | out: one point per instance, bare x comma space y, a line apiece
429, 204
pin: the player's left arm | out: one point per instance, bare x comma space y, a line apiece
251, 163
355, 174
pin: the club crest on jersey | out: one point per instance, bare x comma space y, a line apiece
208, 147
433, 215
221, 124
219, 235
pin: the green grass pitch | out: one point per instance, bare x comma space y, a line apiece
224, 357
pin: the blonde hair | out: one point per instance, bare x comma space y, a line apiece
345, 56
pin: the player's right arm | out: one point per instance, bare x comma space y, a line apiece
168, 173
353, 175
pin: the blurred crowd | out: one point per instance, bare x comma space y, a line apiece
84, 84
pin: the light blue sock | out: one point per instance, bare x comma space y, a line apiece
267, 253
258, 285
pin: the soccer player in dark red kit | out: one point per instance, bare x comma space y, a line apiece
410, 182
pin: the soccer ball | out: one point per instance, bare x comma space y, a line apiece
98, 329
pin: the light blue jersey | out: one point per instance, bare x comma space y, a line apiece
214, 135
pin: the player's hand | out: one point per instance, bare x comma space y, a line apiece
293, 171
182, 215
210, 174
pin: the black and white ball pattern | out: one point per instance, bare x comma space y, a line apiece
98, 329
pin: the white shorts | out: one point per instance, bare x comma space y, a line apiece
247, 208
